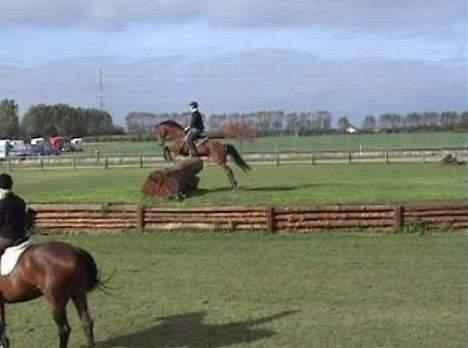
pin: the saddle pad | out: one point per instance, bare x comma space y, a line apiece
11, 256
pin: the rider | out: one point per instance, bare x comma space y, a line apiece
195, 129
12, 215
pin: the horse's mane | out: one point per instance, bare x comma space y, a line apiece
170, 123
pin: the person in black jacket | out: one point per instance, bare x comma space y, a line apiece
12, 215
195, 129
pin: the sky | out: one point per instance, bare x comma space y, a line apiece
350, 57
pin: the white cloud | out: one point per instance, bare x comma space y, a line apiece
422, 17
251, 80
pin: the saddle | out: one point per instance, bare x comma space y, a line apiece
199, 140
11, 256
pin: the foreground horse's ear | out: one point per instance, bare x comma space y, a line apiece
30, 218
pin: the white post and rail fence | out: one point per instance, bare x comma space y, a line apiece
277, 157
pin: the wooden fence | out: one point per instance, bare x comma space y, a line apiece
121, 217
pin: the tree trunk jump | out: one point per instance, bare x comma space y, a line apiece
175, 182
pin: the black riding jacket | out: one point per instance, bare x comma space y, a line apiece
12, 217
196, 121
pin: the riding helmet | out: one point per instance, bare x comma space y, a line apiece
6, 182
194, 104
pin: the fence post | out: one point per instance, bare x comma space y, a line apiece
140, 217
386, 157
41, 163
277, 159
399, 217
313, 158
74, 162
106, 163
424, 156
349, 157
141, 161
270, 219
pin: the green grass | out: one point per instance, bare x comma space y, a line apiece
310, 143
264, 185
252, 290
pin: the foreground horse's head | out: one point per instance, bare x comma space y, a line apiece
168, 130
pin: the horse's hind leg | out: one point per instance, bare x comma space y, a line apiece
81, 303
60, 317
230, 176
4, 342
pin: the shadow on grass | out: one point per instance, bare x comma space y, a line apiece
188, 330
279, 188
203, 192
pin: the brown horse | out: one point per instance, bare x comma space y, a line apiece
218, 152
60, 272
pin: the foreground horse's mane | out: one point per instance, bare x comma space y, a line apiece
170, 123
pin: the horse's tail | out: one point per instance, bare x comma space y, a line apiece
92, 272
231, 151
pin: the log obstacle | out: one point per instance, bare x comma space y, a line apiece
174, 182
121, 217
87, 217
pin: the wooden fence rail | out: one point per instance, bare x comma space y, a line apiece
277, 157
121, 217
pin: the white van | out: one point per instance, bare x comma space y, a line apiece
4, 149
37, 141
76, 144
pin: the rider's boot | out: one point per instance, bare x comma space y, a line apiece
193, 151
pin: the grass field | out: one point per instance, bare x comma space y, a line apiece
310, 143
264, 185
252, 290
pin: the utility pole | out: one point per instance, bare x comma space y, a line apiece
100, 94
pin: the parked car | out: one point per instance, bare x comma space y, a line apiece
25, 151
37, 141
43, 149
58, 143
76, 144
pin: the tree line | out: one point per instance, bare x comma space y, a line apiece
263, 122
62, 119
52, 120
417, 121
306, 123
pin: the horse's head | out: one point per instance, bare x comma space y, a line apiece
168, 130
160, 135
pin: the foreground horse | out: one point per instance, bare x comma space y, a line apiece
218, 152
58, 271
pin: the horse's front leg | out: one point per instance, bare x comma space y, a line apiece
4, 342
167, 154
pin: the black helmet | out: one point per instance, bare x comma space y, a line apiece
194, 104
6, 182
